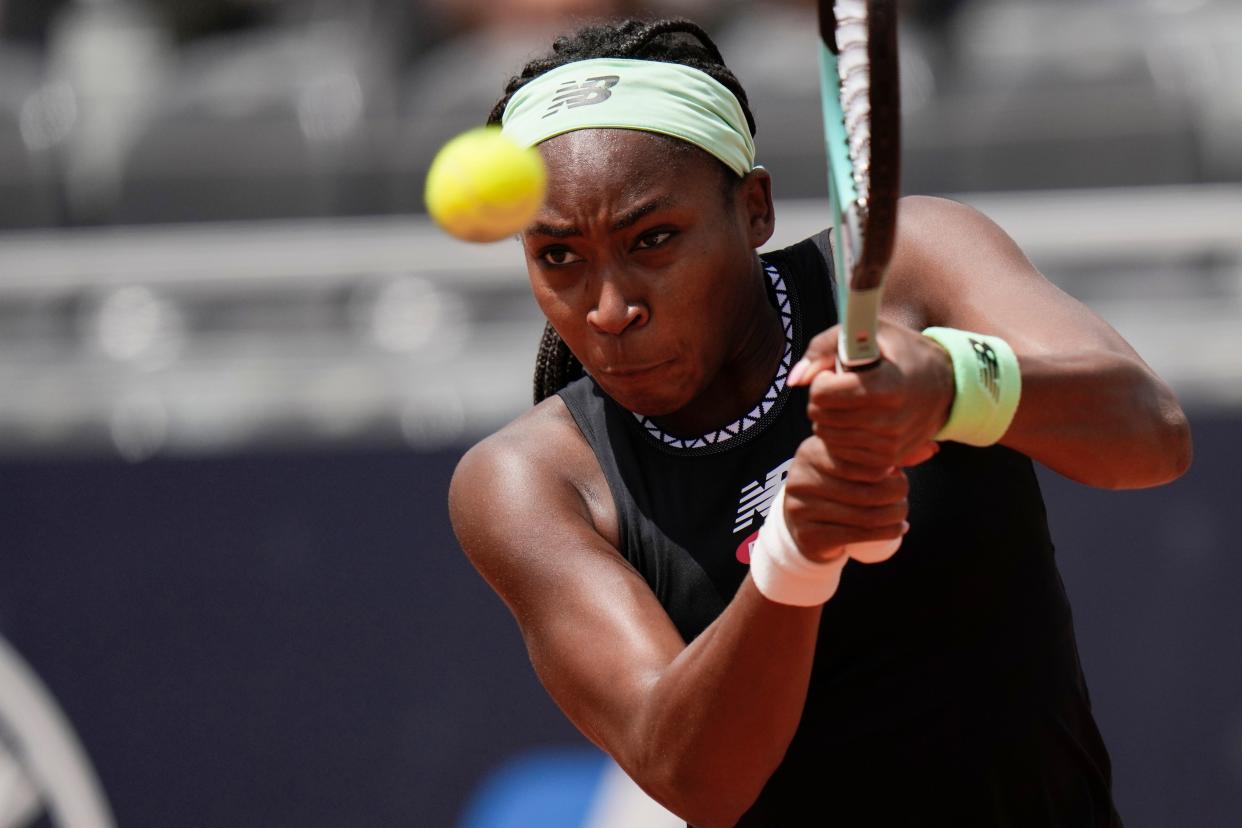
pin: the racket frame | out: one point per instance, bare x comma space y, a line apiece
864, 224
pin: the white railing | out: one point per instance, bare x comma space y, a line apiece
205, 338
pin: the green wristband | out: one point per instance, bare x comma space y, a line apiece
988, 383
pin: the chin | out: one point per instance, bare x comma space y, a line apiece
666, 399
653, 408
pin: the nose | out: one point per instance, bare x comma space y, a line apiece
614, 313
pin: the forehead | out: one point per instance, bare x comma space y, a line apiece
625, 162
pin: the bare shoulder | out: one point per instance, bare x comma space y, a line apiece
535, 471
520, 447
943, 251
929, 218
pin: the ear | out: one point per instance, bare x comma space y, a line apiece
755, 197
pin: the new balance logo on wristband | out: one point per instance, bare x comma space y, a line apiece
989, 367
572, 95
756, 498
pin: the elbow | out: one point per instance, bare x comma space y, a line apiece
703, 800
1163, 452
1177, 446
704, 785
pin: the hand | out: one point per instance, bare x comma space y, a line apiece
884, 417
831, 503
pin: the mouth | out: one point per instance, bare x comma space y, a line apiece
632, 371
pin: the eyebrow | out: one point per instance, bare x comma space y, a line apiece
626, 220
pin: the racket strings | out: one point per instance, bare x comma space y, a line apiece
854, 75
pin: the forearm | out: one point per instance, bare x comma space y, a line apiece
717, 721
1100, 417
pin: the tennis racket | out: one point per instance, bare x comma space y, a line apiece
862, 138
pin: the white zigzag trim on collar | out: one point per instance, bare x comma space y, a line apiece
752, 418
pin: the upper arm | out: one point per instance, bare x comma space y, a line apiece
953, 266
595, 632
1082, 383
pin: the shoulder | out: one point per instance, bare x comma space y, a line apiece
933, 222
517, 456
517, 444
537, 469
943, 251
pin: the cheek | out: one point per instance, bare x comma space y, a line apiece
550, 298
710, 299
559, 308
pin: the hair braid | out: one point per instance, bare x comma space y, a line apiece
555, 365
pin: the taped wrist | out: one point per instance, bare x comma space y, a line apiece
782, 573
987, 382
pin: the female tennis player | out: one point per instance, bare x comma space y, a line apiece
760, 676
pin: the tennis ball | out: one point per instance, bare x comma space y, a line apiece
483, 186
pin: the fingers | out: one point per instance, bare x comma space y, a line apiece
821, 355
876, 448
885, 416
819, 511
824, 542
919, 454
816, 472
860, 447
830, 503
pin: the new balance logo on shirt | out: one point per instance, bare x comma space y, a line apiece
756, 498
591, 91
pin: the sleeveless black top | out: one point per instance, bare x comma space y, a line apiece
946, 687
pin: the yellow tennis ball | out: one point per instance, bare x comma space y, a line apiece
483, 185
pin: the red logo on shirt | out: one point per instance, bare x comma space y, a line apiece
743, 549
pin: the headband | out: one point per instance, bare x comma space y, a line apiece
647, 95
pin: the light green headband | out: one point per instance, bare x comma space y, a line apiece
647, 95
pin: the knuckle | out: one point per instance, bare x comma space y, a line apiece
824, 386
798, 486
808, 451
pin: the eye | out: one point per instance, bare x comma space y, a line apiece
654, 239
558, 256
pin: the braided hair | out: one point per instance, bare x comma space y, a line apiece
671, 41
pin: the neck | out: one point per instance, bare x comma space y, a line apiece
746, 373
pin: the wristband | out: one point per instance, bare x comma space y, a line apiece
988, 385
782, 573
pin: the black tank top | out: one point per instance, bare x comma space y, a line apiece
946, 687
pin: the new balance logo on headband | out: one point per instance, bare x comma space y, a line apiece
591, 91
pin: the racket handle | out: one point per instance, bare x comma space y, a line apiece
870, 552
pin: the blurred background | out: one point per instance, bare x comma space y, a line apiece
237, 366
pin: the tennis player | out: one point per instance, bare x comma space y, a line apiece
760, 676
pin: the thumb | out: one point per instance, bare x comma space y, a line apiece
821, 355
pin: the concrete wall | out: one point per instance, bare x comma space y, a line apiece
294, 639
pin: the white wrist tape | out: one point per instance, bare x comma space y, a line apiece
782, 573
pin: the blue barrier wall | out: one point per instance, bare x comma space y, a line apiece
295, 639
